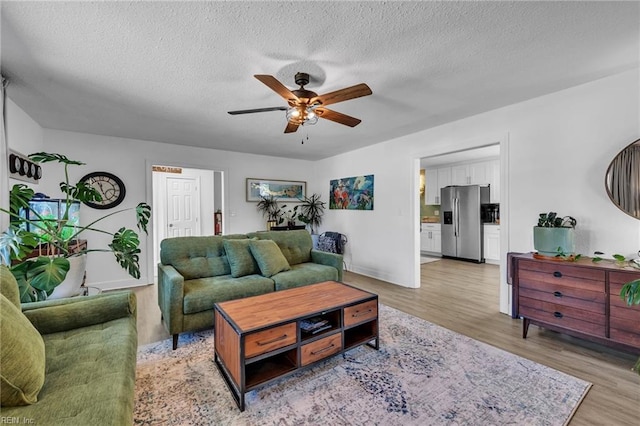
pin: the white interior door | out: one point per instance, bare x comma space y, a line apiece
183, 207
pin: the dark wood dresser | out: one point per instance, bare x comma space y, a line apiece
581, 299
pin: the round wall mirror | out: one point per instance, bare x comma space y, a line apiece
623, 180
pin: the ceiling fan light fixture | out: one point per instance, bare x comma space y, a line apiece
301, 115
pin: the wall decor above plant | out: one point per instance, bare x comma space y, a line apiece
352, 193
280, 190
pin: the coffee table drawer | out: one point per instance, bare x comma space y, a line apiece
322, 348
264, 341
359, 313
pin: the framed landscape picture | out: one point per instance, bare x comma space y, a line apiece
281, 190
352, 193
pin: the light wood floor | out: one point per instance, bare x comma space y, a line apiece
463, 297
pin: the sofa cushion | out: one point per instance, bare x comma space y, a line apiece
295, 245
200, 294
304, 274
22, 357
9, 286
197, 257
269, 257
240, 258
90, 376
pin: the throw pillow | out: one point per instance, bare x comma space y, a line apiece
269, 257
240, 259
21, 356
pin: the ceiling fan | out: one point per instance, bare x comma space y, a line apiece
306, 106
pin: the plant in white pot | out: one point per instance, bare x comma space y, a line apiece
554, 235
39, 276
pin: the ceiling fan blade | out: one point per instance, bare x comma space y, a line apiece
338, 117
291, 127
276, 86
251, 111
341, 95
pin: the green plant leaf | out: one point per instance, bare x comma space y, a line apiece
45, 273
16, 243
619, 257
630, 292
143, 214
19, 197
45, 157
81, 192
125, 248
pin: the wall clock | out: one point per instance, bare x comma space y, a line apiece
110, 187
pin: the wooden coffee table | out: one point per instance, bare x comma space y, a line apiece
261, 338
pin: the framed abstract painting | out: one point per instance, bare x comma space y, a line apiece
352, 193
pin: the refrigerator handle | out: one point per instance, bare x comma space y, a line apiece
456, 214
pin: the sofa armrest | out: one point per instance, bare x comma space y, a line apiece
171, 297
52, 316
329, 259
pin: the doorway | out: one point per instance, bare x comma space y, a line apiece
185, 201
475, 163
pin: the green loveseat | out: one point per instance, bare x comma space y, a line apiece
68, 361
197, 272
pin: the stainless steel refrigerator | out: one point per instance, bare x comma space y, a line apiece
462, 230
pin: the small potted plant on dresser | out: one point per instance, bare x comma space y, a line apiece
554, 235
57, 270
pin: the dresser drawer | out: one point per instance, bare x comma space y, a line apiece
271, 339
593, 280
618, 307
360, 313
564, 321
322, 348
568, 296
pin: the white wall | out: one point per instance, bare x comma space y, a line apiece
131, 160
24, 135
554, 153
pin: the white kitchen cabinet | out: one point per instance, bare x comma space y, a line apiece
492, 243
479, 173
431, 238
460, 174
431, 187
436, 179
444, 179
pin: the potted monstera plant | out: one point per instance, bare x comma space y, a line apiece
554, 235
29, 230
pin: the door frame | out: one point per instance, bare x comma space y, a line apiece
149, 163
463, 145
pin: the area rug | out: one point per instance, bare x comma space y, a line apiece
426, 259
423, 374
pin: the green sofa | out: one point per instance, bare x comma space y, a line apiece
196, 272
68, 361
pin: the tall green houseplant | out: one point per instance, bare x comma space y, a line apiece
39, 276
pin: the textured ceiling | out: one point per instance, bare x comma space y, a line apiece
170, 71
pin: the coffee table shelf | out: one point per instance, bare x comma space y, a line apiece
260, 338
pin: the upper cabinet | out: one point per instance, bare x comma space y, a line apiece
436, 179
478, 173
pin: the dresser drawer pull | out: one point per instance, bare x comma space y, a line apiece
319, 351
558, 314
268, 342
358, 313
557, 294
557, 274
